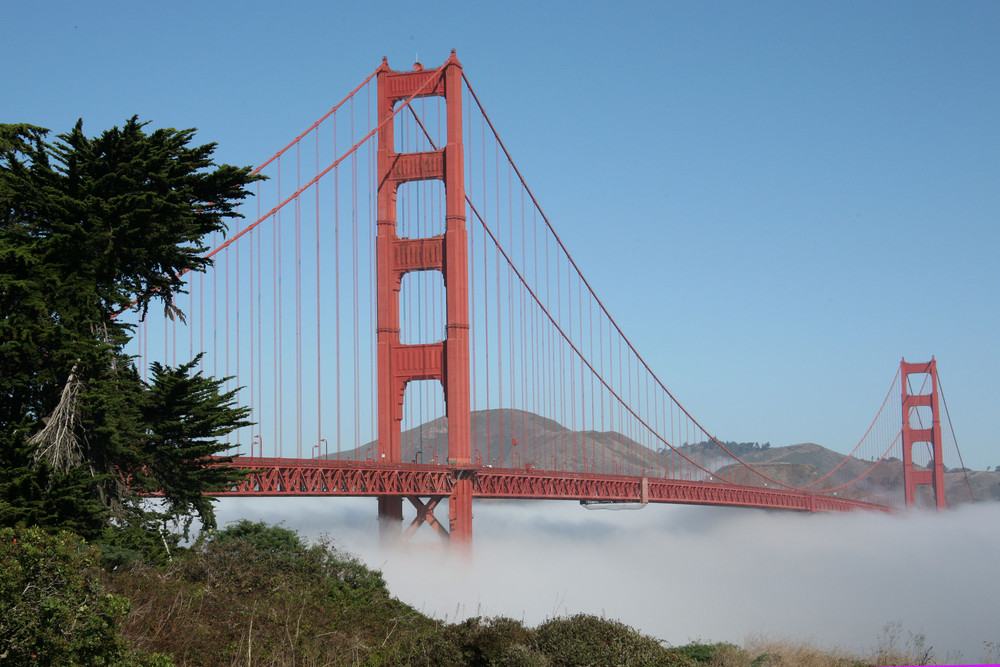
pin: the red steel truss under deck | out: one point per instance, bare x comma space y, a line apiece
311, 477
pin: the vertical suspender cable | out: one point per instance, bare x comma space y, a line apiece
355, 286
486, 308
260, 332
338, 393
298, 302
499, 338
510, 316
215, 317
225, 301
372, 180
276, 316
522, 310
473, 268
253, 378
319, 327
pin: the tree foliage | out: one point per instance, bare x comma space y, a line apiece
91, 227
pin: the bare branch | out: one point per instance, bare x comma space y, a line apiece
57, 442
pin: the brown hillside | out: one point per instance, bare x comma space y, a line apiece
518, 439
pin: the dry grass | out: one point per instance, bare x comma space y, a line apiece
894, 647
761, 652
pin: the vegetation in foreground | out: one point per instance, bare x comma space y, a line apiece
254, 594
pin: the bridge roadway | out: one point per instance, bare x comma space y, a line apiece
317, 477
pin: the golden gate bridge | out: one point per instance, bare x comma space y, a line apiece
405, 323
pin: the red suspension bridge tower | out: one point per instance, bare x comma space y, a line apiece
930, 434
446, 361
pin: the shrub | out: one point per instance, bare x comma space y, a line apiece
699, 653
259, 594
480, 642
588, 640
53, 609
277, 540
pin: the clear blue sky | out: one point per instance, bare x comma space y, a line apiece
777, 201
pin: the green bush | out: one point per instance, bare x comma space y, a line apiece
269, 548
259, 594
701, 653
277, 540
588, 640
53, 609
480, 642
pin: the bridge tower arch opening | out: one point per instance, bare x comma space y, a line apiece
446, 361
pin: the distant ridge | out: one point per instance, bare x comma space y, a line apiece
510, 438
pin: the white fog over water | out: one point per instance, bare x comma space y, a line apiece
692, 573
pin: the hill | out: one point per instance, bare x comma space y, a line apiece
507, 438
253, 594
960, 486
519, 439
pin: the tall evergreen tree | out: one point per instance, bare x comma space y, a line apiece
91, 227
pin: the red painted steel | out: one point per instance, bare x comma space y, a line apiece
447, 361
312, 477
934, 475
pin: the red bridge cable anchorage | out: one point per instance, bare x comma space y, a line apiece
608, 314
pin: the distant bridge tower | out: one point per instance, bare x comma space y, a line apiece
447, 360
922, 433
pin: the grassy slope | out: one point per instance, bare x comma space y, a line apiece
257, 595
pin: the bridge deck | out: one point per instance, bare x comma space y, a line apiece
313, 477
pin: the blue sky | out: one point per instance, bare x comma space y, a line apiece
777, 201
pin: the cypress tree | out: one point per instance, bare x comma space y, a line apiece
91, 227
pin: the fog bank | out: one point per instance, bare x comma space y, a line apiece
686, 573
